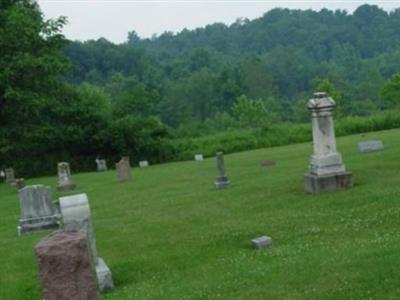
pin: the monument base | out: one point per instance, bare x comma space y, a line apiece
41, 224
104, 277
66, 187
327, 183
222, 182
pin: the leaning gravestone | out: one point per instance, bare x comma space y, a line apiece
10, 177
222, 180
37, 209
143, 163
75, 211
123, 169
65, 267
198, 157
370, 146
101, 165
64, 177
326, 171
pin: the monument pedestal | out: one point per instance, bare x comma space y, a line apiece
221, 182
315, 184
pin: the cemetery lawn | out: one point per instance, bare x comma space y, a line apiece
169, 235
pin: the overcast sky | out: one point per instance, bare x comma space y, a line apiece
112, 19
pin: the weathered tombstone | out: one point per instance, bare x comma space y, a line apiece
222, 180
101, 165
19, 183
326, 171
370, 146
143, 163
64, 177
2, 174
37, 209
65, 267
10, 177
75, 211
261, 242
198, 157
123, 169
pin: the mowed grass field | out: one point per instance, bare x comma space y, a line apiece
168, 234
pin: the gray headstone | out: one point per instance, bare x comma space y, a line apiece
64, 177
10, 176
101, 165
143, 163
261, 242
75, 211
198, 157
370, 146
37, 209
222, 180
123, 169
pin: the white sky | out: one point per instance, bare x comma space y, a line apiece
112, 19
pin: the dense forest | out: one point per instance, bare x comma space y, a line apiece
70, 100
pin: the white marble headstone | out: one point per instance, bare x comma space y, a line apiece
198, 157
75, 211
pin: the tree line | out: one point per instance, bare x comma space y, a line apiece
70, 100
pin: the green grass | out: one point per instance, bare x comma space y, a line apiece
169, 235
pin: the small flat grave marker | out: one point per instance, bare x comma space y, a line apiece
370, 146
261, 242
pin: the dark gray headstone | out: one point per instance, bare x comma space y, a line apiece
370, 146
222, 180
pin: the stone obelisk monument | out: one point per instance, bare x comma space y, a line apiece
327, 171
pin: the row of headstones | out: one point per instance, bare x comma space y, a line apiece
73, 247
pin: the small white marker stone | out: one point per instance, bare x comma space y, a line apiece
198, 157
261, 242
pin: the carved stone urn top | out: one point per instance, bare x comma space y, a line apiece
321, 101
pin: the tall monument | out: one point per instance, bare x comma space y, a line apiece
327, 172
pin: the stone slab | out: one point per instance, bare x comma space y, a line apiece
314, 184
261, 242
370, 146
65, 269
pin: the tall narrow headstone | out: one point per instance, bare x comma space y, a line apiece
64, 177
222, 180
326, 171
123, 169
75, 211
37, 209
10, 176
65, 267
101, 165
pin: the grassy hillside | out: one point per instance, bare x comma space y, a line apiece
169, 235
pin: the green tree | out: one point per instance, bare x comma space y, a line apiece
251, 113
391, 92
